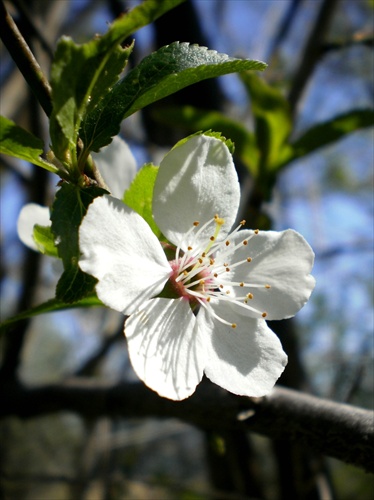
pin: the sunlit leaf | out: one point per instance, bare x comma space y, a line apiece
140, 193
17, 142
162, 73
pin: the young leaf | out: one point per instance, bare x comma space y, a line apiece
140, 193
82, 74
44, 240
162, 73
51, 305
68, 210
16, 141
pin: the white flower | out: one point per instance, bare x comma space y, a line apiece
201, 311
118, 168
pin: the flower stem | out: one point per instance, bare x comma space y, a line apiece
25, 60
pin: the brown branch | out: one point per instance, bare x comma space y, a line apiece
312, 51
25, 60
334, 429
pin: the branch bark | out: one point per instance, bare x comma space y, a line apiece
25, 60
334, 429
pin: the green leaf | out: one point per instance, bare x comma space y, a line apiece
273, 122
140, 193
51, 305
44, 240
189, 119
162, 73
68, 210
331, 131
16, 141
83, 74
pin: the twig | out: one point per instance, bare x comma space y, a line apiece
334, 429
25, 60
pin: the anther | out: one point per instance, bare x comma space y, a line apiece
243, 222
241, 284
227, 269
215, 275
212, 238
196, 223
264, 314
245, 242
249, 259
227, 243
189, 248
267, 287
250, 296
233, 325
256, 231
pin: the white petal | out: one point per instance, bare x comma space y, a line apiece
196, 180
117, 165
246, 360
282, 260
165, 347
30, 215
121, 251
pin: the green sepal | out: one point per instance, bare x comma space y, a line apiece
140, 194
17, 142
162, 73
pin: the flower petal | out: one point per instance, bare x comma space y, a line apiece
117, 165
165, 347
121, 251
30, 215
282, 260
246, 360
196, 180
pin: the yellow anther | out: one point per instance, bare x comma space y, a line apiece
203, 254
243, 222
267, 287
189, 248
250, 296
185, 273
200, 260
233, 325
256, 231
249, 259
264, 314
227, 292
208, 299
202, 282
219, 220
221, 286
241, 284
196, 223
211, 261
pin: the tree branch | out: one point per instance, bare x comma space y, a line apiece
334, 429
25, 60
